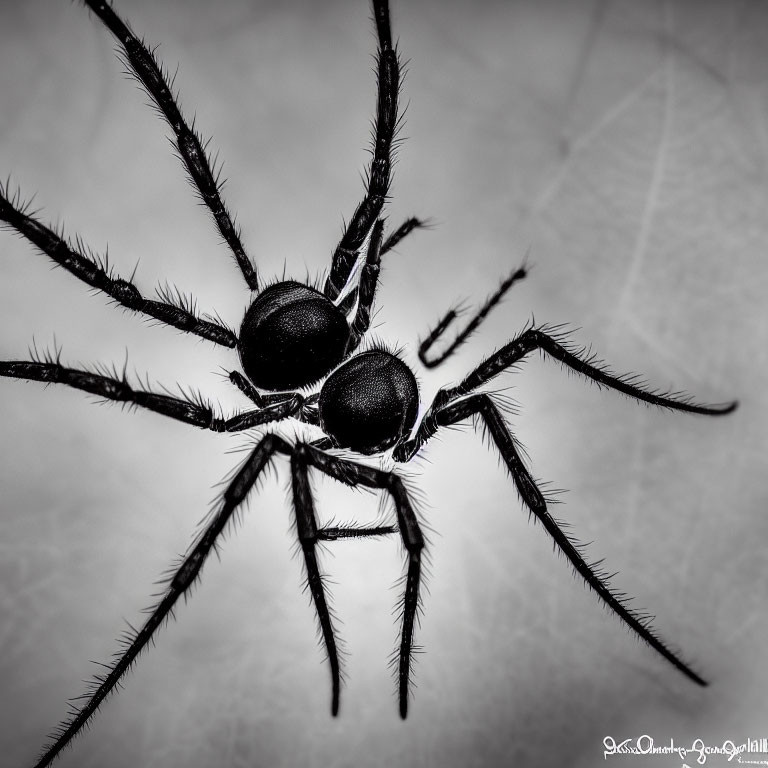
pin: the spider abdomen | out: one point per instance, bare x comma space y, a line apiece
369, 403
291, 336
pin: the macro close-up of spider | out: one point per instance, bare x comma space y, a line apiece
360, 374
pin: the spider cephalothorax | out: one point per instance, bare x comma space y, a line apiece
295, 337
291, 337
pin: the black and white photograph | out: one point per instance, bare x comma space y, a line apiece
383, 383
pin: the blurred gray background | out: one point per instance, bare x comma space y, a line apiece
626, 144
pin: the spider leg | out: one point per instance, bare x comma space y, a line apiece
585, 364
388, 76
306, 525
348, 301
183, 578
199, 414
470, 327
352, 473
580, 361
308, 412
402, 231
369, 278
336, 532
96, 273
192, 150
261, 399
532, 497
350, 298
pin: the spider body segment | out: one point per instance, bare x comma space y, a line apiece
369, 403
293, 337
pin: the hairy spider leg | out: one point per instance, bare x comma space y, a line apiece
377, 186
580, 361
112, 388
402, 231
532, 497
473, 324
261, 399
95, 272
185, 575
308, 413
306, 527
336, 532
454, 404
347, 302
192, 149
353, 474
353, 530
187, 572
632, 386
369, 278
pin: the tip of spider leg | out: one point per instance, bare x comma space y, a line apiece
692, 676
335, 705
698, 680
403, 708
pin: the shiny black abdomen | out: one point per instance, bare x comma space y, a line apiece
291, 336
369, 403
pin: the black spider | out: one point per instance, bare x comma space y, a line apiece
293, 337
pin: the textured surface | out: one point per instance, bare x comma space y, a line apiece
626, 144
370, 402
291, 336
